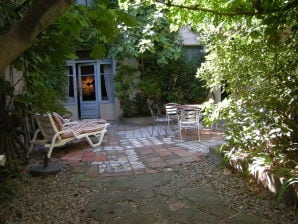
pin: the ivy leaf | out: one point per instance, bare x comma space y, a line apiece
98, 52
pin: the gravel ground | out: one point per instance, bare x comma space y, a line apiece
61, 198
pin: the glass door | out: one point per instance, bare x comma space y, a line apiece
88, 91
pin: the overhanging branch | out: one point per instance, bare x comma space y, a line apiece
289, 5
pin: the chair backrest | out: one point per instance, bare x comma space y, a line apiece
153, 109
171, 109
188, 116
46, 126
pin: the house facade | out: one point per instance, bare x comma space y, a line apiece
90, 88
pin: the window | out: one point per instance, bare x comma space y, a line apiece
194, 54
84, 2
106, 80
70, 88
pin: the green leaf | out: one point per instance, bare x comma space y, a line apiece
98, 51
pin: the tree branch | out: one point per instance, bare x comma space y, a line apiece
289, 5
23, 33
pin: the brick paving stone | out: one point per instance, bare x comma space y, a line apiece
108, 174
169, 157
66, 157
111, 157
87, 159
164, 153
137, 144
128, 147
191, 159
168, 141
157, 146
130, 152
182, 153
174, 161
100, 158
97, 149
175, 148
95, 163
157, 164
154, 154
199, 154
153, 159
137, 166
146, 151
93, 173
113, 138
89, 154
139, 171
122, 169
122, 158
126, 173
101, 153
113, 148
75, 163
76, 158
155, 141
113, 143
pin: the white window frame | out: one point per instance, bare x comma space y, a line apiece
73, 100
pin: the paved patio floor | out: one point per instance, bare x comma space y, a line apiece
142, 174
134, 150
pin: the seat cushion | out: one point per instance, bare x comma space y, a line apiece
83, 128
59, 121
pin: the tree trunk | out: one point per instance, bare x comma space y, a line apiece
22, 34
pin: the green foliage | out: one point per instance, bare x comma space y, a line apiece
253, 58
125, 88
165, 76
172, 82
289, 183
9, 175
150, 35
11, 11
43, 65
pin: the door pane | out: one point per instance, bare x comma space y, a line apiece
88, 83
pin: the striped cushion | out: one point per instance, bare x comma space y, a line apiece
59, 121
83, 128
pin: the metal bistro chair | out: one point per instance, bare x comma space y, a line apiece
171, 113
189, 118
158, 119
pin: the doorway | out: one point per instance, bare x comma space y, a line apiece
88, 89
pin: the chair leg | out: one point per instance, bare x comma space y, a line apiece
99, 137
180, 134
199, 134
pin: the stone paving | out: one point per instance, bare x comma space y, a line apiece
137, 177
125, 154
